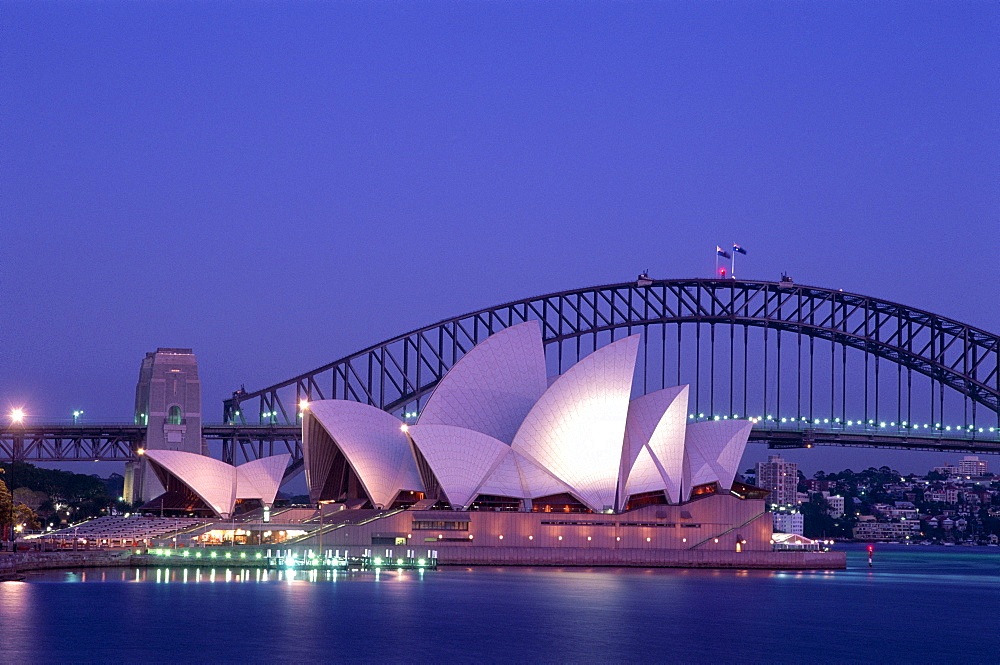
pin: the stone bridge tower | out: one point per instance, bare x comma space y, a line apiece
168, 405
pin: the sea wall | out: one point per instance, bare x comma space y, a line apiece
20, 561
552, 556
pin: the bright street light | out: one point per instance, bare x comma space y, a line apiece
17, 415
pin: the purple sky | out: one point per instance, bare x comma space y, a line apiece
279, 184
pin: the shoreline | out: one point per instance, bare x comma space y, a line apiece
13, 565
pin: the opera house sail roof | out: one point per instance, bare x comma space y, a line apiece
200, 483
496, 428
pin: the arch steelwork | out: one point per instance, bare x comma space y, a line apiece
872, 353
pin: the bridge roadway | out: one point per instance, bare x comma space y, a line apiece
120, 442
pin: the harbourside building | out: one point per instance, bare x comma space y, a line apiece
781, 479
972, 466
502, 456
788, 522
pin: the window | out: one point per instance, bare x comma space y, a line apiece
439, 525
174, 415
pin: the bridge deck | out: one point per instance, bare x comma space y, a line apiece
120, 442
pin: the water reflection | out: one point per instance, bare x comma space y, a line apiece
200, 574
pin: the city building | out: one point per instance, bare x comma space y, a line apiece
835, 503
947, 471
791, 522
971, 465
781, 479
871, 530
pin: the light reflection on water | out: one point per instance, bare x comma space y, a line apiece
512, 614
213, 574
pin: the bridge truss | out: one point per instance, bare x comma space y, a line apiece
118, 442
790, 356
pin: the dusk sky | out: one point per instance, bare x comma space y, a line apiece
279, 184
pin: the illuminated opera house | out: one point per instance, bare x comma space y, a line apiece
504, 458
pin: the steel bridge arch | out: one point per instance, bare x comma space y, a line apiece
400, 371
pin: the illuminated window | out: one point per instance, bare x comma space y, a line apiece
174, 415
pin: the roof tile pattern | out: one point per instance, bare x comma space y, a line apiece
460, 458
713, 451
260, 479
493, 386
374, 445
575, 430
212, 480
492, 427
657, 422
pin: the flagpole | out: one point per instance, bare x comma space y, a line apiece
716, 276
732, 272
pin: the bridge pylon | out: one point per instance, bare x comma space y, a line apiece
168, 405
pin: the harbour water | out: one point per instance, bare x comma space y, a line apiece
916, 604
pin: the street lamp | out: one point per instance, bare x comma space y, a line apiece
17, 416
76, 416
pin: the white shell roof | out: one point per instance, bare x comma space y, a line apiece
460, 458
260, 479
374, 445
656, 421
536, 480
505, 479
212, 480
575, 429
645, 477
493, 386
713, 450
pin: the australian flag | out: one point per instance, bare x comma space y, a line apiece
738, 250
722, 252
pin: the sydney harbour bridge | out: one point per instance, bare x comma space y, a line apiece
810, 366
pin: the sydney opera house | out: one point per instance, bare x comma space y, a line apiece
504, 457
505, 464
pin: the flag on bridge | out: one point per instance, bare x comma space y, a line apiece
721, 252
738, 250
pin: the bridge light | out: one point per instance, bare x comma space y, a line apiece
948, 428
784, 420
736, 415
404, 427
882, 424
701, 415
836, 420
303, 405
17, 415
141, 451
892, 424
716, 417
770, 417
